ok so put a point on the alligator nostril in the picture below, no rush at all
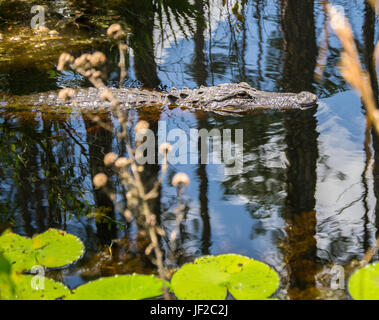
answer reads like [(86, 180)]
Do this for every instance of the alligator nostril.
[(172, 98)]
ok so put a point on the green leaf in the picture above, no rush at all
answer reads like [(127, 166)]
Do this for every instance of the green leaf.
[(7, 290), (5, 266), (51, 74), (57, 248), (256, 281), (29, 287), (53, 248), (125, 287), (18, 250), (211, 277), (199, 282), (364, 283)]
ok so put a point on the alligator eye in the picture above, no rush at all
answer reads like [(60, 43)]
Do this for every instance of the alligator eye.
[(243, 95), (172, 98)]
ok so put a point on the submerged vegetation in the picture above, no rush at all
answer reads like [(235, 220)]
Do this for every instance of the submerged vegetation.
[(17, 51)]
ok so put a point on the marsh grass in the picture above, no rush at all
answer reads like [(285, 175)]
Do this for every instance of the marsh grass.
[(352, 71), (350, 65)]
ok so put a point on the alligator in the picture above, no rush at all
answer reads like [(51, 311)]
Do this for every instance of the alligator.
[(228, 97)]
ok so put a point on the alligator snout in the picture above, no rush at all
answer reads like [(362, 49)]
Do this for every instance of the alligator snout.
[(306, 99)]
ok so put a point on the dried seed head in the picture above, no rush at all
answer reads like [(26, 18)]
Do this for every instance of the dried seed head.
[(81, 61), (180, 179), (142, 125), (100, 180), (115, 31), (122, 162), (110, 158), (133, 203), (128, 215), (97, 59), (113, 28), (66, 93), (148, 249), (115, 103), (89, 73), (131, 194), (123, 47), (107, 95), (96, 74), (160, 231), (1, 36), (151, 220), (124, 174), (132, 199), (164, 148), (64, 61)]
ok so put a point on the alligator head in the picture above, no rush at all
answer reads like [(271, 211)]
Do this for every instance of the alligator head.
[(240, 97)]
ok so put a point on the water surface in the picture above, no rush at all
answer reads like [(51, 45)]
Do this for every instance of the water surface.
[(307, 197)]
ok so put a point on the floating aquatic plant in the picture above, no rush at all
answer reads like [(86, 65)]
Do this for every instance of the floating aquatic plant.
[(364, 283), (53, 248), (16, 286), (125, 287), (7, 289), (44, 289), (211, 277)]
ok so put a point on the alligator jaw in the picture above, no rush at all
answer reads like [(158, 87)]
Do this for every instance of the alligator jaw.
[(258, 100), (307, 100)]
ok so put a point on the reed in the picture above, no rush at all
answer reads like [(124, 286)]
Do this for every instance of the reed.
[(350, 65), (352, 71)]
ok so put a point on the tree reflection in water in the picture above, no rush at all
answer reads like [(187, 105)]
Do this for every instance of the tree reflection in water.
[(48, 161)]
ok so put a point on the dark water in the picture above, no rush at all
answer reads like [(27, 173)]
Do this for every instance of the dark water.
[(307, 197)]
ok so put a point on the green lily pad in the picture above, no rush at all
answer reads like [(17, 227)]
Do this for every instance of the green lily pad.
[(5, 266), (27, 288), (199, 282), (52, 249), (364, 283), (18, 250), (7, 290), (57, 248), (125, 287), (211, 277)]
